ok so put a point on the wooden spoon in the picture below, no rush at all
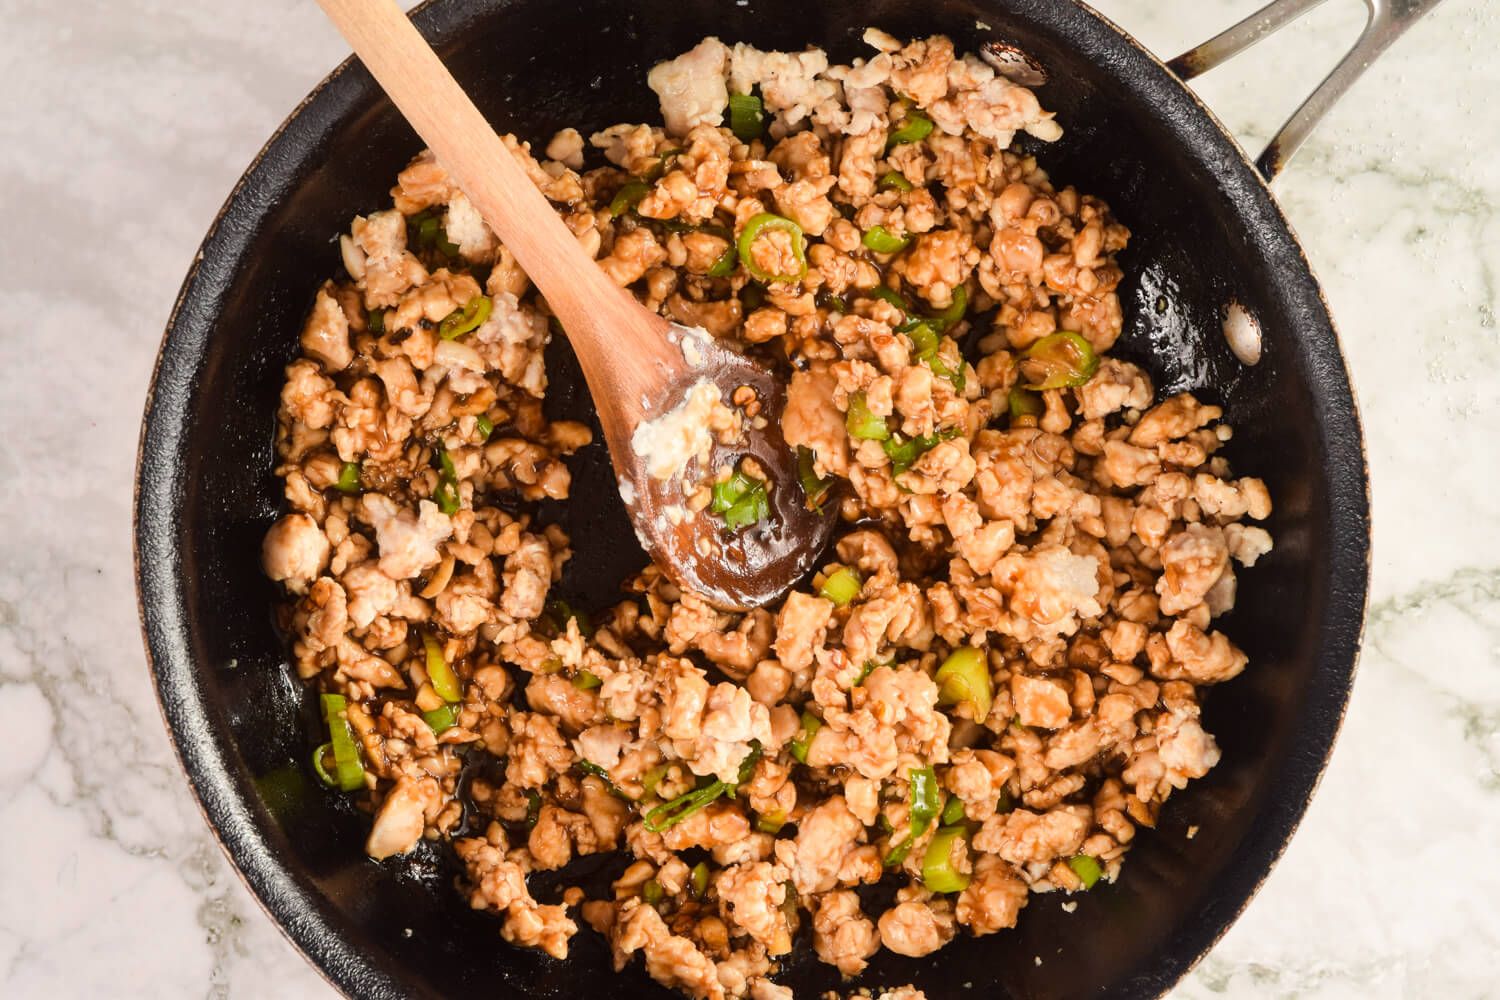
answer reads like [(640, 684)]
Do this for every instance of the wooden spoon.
[(639, 365)]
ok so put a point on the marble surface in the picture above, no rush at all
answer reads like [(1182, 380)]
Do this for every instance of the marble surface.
[(124, 128)]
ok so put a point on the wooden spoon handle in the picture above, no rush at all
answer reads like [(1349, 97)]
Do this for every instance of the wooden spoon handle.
[(591, 307)]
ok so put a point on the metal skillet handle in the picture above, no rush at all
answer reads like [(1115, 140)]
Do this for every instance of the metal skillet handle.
[(1387, 21)]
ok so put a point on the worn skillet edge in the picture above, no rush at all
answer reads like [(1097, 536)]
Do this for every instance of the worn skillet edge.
[(1350, 565), (346, 967)]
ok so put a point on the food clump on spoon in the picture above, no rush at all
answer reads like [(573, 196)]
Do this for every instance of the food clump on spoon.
[(986, 692)]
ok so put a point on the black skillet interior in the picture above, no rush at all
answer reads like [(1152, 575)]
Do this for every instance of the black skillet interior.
[(1205, 231)]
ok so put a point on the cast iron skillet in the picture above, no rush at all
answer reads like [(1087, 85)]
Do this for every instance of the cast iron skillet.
[(1206, 231)]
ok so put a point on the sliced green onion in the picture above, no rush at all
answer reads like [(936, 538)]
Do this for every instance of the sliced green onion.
[(628, 197), (1059, 360), (653, 777), (1087, 868), (445, 717), (938, 872), (349, 771), (863, 424), (444, 681), (669, 814), (765, 222), (559, 612), (803, 740), (663, 161), (894, 298), (348, 481), (586, 680), (533, 808), (926, 800), (915, 128), (466, 320), (882, 240), (485, 426), (589, 767), (446, 493), (320, 765), (953, 812), (925, 341), (868, 669), (375, 321), (954, 312), (1025, 404), (726, 262), (898, 852), (771, 822), (752, 296), (747, 119), (904, 452), (741, 500), (894, 179), (814, 487), (841, 587), (698, 879), (652, 892), (965, 676)]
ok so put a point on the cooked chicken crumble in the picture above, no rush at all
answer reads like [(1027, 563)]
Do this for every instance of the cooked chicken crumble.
[(984, 694)]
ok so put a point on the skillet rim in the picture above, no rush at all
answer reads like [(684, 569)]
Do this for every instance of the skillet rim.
[(293, 905)]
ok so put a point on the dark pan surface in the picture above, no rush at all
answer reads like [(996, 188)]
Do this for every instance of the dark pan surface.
[(1205, 231)]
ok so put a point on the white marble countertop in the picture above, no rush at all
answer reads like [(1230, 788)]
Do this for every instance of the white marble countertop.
[(125, 127)]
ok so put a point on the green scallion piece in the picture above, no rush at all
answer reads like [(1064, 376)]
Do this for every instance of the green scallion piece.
[(771, 822), (559, 612), (628, 197), (965, 677), (814, 487), (803, 740), (894, 179), (441, 718), (904, 452), (938, 871), (1059, 360), (953, 811), (1025, 404), (747, 117), (589, 767), (348, 770), (926, 800), (653, 777), (669, 814), (348, 481), (882, 240), (446, 493), (375, 321), (893, 297), (863, 424), (652, 892), (724, 266), (915, 128), (841, 587), (698, 879), (741, 500), (533, 808), (767, 222), (466, 320), (485, 426), (955, 311), (1087, 868), (444, 681), (321, 758), (586, 680)]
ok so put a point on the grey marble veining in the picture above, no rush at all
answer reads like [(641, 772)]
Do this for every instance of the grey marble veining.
[(125, 125)]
